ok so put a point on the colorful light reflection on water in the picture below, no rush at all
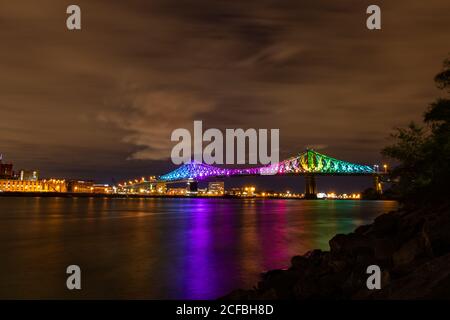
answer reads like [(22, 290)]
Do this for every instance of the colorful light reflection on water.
[(161, 248)]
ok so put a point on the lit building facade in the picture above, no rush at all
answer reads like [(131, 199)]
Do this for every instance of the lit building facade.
[(176, 191), (51, 185), (102, 189), (28, 175), (80, 186), (216, 188)]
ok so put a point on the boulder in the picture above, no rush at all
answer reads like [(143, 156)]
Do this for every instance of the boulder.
[(364, 229), (337, 243), (438, 229), (299, 262), (417, 247), (384, 248), (352, 245), (430, 280), (385, 225)]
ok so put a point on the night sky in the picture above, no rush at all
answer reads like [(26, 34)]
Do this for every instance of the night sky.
[(102, 102)]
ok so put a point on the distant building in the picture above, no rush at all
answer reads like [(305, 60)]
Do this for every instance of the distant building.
[(161, 187), (144, 185), (14, 185), (216, 188), (88, 186), (6, 169), (10, 185), (235, 191), (80, 186), (102, 189), (28, 175), (243, 192), (52, 185), (176, 191)]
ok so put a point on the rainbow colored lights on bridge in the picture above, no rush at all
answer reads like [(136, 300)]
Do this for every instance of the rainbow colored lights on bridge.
[(307, 162)]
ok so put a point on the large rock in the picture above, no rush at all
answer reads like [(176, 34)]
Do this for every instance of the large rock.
[(386, 224), (418, 247), (437, 227), (299, 263), (412, 248), (384, 248), (430, 280), (351, 245), (338, 243), (280, 282)]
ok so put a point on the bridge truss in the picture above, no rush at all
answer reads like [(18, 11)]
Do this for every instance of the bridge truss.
[(309, 162)]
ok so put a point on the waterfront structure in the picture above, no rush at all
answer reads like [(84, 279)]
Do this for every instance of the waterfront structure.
[(248, 191), (143, 185), (14, 185), (28, 175), (53, 185), (308, 164), (88, 186), (80, 186), (161, 187), (6, 169), (102, 189), (176, 191), (216, 188)]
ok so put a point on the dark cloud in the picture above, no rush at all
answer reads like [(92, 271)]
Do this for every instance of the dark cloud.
[(140, 69)]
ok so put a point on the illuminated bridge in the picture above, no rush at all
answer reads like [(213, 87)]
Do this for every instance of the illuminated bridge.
[(309, 164)]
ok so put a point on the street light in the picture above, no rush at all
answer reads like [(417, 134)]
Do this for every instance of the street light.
[(385, 168)]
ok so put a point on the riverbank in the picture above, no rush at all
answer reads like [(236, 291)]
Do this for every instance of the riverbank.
[(411, 247), (132, 196)]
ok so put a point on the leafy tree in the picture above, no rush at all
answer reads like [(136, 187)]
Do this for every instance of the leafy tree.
[(423, 152)]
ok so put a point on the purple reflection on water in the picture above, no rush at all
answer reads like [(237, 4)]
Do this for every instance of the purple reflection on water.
[(210, 249), (216, 237), (273, 235), (197, 263), (162, 248)]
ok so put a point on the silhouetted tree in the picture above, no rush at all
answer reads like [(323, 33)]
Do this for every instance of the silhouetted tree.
[(423, 152)]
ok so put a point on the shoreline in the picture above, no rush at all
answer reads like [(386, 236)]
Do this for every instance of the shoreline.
[(145, 196), (411, 247)]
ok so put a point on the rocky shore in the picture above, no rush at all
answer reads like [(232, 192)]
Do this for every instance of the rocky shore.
[(411, 247)]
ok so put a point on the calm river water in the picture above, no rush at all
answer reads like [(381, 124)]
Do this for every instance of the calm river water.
[(161, 248)]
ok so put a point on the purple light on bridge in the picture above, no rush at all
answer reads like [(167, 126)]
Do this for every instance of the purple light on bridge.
[(307, 162)]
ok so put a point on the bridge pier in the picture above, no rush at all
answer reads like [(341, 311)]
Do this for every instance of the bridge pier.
[(377, 185), (310, 187)]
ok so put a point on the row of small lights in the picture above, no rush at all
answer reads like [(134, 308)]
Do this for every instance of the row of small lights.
[(131, 182), (377, 167)]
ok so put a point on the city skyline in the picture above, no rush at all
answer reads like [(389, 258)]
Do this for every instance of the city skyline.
[(311, 165)]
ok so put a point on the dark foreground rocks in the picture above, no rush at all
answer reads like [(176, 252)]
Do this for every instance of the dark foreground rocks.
[(411, 247)]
